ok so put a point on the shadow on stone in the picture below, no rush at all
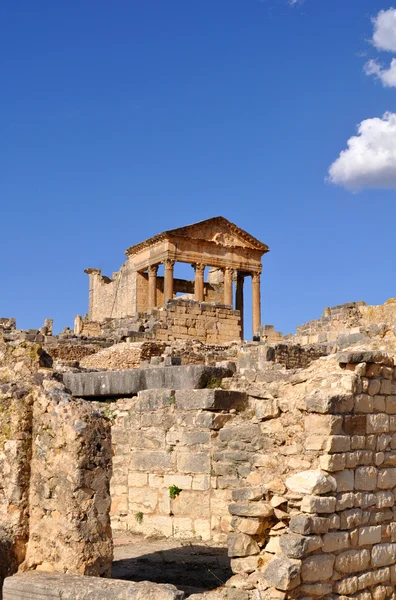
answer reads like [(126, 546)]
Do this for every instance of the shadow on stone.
[(192, 568)]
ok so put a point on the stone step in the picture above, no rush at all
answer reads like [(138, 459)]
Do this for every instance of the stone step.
[(58, 586), (128, 382)]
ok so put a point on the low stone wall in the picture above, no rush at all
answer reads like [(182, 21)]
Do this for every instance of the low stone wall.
[(330, 531), (257, 357), (178, 320)]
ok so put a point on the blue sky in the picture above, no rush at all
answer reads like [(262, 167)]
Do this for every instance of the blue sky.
[(120, 120)]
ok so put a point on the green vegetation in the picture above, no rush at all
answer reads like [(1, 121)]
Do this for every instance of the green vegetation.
[(213, 383), (174, 491), (171, 400), (139, 517)]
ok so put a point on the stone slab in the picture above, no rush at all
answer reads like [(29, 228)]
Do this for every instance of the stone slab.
[(128, 382), (58, 586), (216, 399)]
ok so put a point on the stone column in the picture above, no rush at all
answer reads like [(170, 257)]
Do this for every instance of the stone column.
[(152, 286), (168, 279), (228, 271), (199, 281), (256, 304), (239, 296)]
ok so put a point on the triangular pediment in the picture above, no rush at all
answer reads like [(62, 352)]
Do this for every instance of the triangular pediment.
[(220, 231), (217, 230)]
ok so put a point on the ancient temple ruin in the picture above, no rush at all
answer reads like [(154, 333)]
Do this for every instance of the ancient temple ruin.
[(232, 253)]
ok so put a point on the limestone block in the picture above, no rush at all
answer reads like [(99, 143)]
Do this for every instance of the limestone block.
[(386, 387), (351, 518), (190, 503), (240, 545), (184, 482), (383, 555), (337, 443), (209, 399), (310, 482), (306, 524), (152, 461), (346, 586), (317, 568), (374, 387), (283, 574), (199, 462), (252, 526), (245, 565), (294, 545), (332, 462), (248, 494), (334, 541), (202, 529), (255, 509), (345, 480), (386, 478), (352, 561), (137, 479), (385, 499), (183, 528), (366, 478), (142, 499), (318, 504), (370, 535), (391, 405), (266, 409), (355, 424), (378, 423), (364, 403), (200, 482), (345, 500), (324, 424)]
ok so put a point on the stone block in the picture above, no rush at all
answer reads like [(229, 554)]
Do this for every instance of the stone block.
[(152, 461), (210, 399), (184, 482), (378, 423), (283, 574), (317, 568), (355, 425), (386, 478), (240, 545), (40, 585), (383, 555), (324, 424), (149, 400), (318, 504), (332, 462), (128, 382), (335, 541), (294, 545), (310, 482), (366, 478), (255, 509), (337, 443), (199, 462), (245, 565), (352, 561), (266, 409), (364, 403), (390, 405), (306, 524), (369, 535), (345, 480)]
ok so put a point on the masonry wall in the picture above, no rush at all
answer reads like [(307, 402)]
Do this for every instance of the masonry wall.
[(328, 530), (179, 320), (55, 466), (112, 297)]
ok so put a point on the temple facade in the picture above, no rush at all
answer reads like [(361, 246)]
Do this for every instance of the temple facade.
[(231, 253)]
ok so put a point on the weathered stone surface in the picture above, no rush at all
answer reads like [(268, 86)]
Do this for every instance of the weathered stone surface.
[(311, 482), (131, 381), (283, 574), (240, 544), (216, 399), (365, 357), (255, 509), (317, 568), (41, 586)]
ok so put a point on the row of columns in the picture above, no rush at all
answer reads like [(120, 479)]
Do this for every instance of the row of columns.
[(199, 288)]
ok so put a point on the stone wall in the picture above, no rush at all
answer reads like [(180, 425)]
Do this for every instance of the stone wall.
[(328, 530), (187, 439), (55, 467), (254, 359), (179, 320)]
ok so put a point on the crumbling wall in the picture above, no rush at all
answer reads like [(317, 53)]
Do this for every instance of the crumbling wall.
[(329, 532), (55, 466)]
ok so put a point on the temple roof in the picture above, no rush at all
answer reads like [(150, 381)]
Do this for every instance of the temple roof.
[(227, 234)]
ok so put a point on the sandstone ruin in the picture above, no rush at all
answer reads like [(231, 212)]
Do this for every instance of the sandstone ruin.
[(154, 418)]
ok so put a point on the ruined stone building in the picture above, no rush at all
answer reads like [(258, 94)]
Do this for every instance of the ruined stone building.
[(232, 253)]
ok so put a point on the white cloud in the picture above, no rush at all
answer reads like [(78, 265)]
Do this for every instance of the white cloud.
[(370, 159), (387, 76), (384, 36)]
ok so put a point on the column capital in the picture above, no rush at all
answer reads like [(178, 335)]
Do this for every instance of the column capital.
[(169, 263), (256, 276), (228, 270), (198, 267), (152, 269)]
